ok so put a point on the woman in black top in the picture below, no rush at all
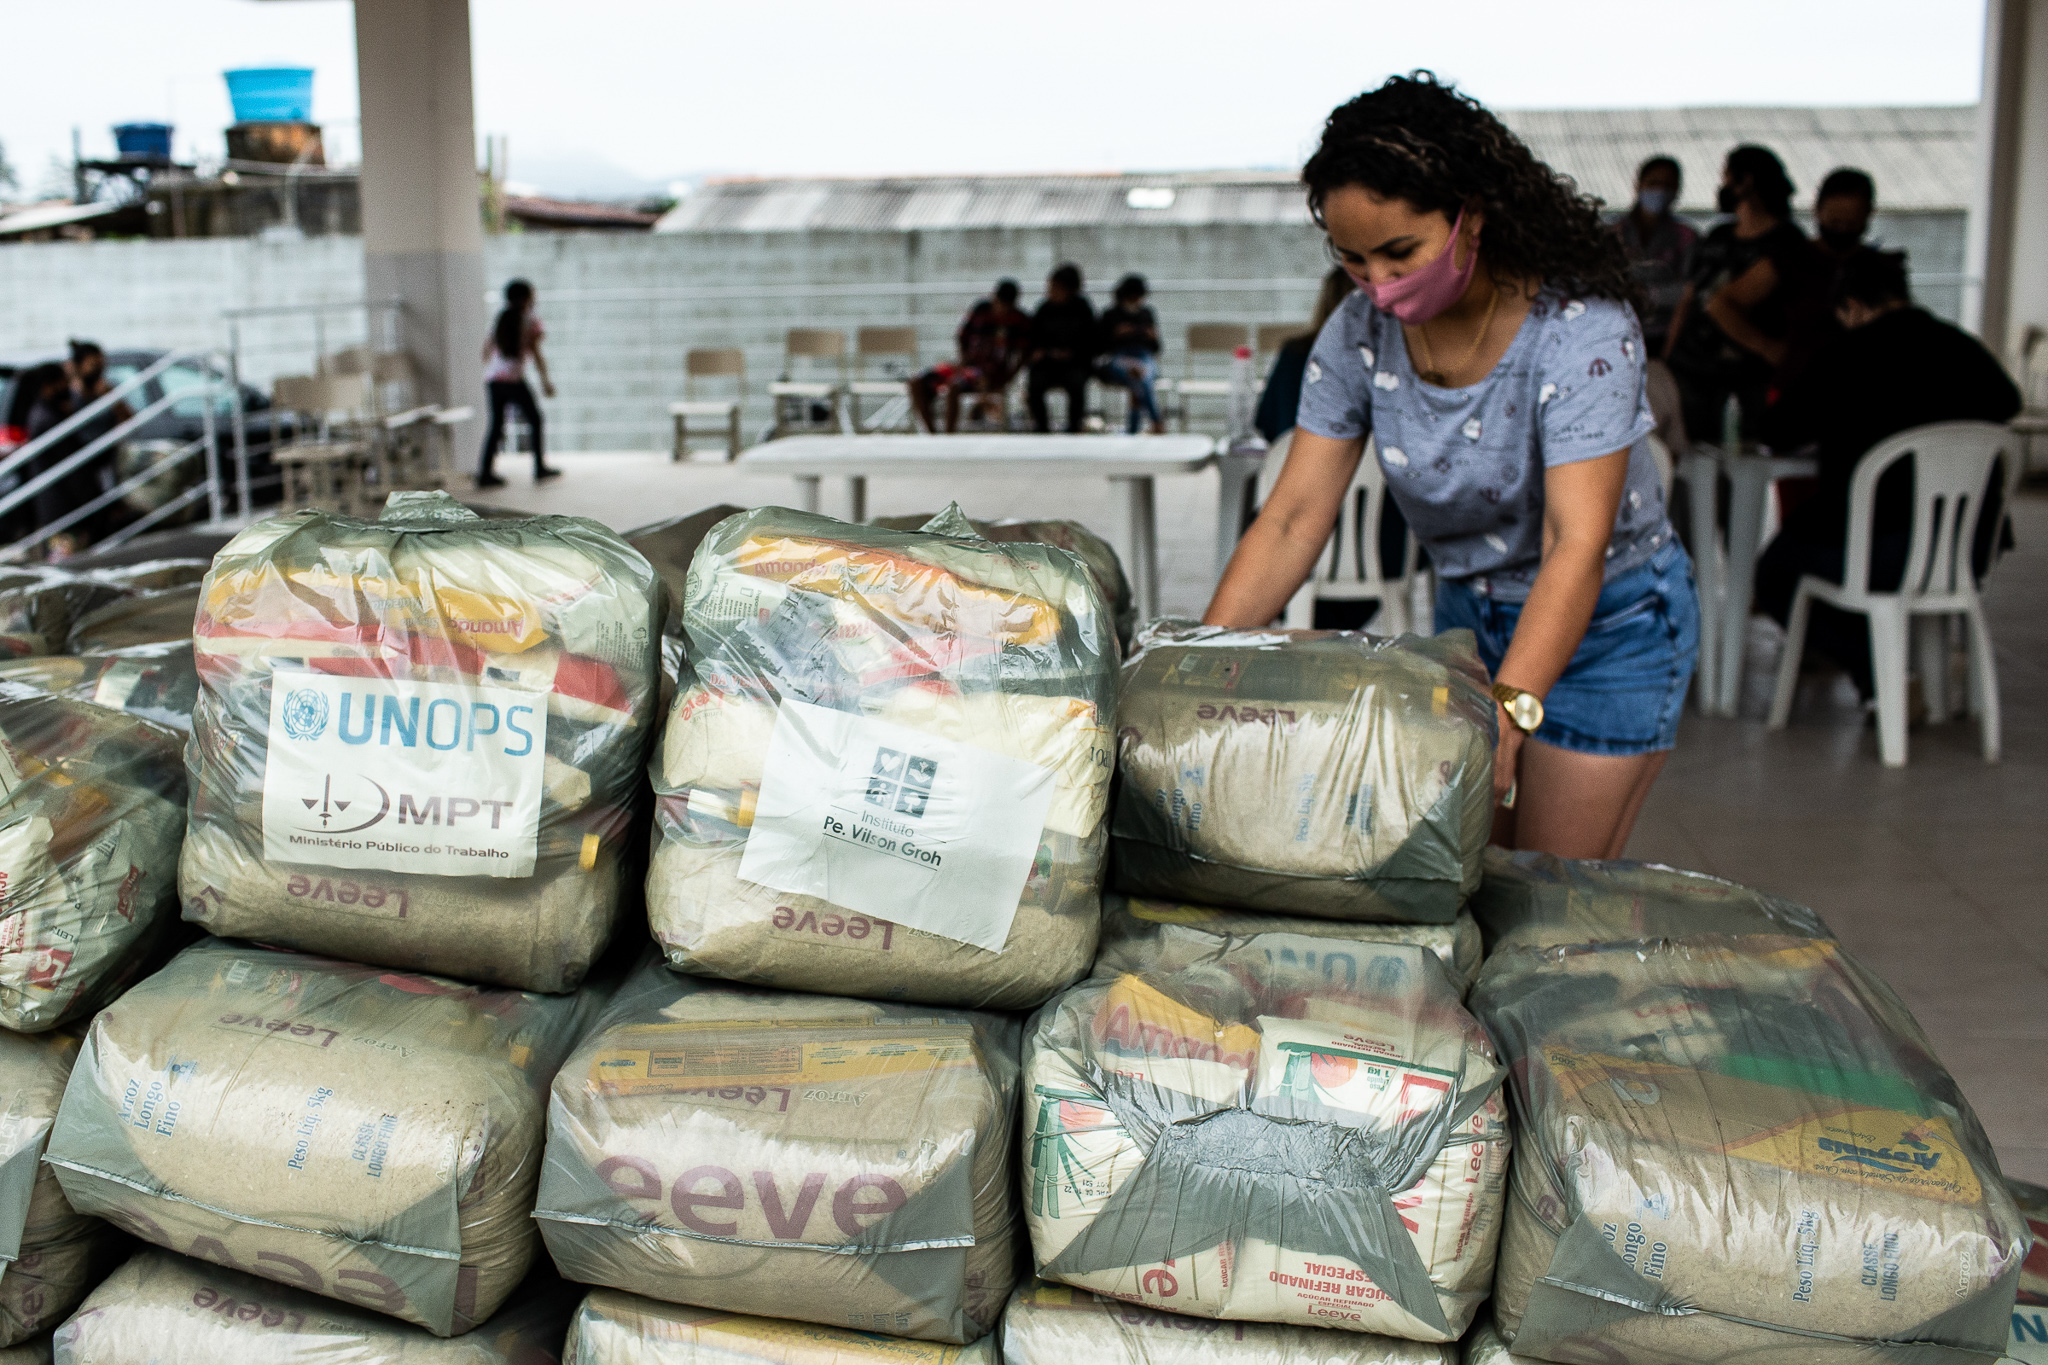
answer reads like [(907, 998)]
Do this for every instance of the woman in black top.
[(1743, 324), (1130, 344), (1063, 349)]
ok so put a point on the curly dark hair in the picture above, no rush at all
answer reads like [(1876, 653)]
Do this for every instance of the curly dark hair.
[(1419, 139)]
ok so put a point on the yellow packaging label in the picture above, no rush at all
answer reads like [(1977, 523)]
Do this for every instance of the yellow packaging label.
[(587, 857), (1163, 912), (696, 1059), (897, 586), (1757, 1121), (1139, 1019), (486, 621), (1440, 701)]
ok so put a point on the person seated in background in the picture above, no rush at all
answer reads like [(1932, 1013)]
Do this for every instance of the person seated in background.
[(1062, 349), (1281, 397), (1659, 246), (1130, 348), (1841, 213), (1734, 329), (1894, 367), (992, 341)]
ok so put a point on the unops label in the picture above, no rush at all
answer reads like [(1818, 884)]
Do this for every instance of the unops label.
[(434, 778)]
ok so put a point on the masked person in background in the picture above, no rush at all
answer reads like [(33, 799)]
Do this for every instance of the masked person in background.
[(1492, 351), (1063, 349), (1841, 213), (1740, 326), (991, 341), (1659, 246)]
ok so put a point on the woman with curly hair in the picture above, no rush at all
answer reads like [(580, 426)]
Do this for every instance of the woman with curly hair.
[(1492, 352)]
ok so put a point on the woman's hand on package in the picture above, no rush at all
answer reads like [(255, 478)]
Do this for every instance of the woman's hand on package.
[(1507, 750)]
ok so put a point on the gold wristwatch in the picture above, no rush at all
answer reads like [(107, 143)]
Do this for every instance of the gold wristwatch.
[(1525, 709)]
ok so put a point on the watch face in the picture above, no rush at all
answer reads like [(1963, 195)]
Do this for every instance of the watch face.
[(1526, 711)]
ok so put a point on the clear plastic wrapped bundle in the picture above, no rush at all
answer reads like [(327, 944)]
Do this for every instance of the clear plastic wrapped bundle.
[(1539, 900), (92, 811), (371, 1136), (1053, 1324), (887, 765), (797, 1156), (172, 1310), (50, 1254), (420, 740), (1738, 1148), (153, 575), (1245, 1139), (614, 1328), (1309, 772), (1092, 550), (157, 682), (1149, 936), (38, 605), (138, 618)]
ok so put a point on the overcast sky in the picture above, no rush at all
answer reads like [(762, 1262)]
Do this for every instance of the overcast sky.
[(647, 90)]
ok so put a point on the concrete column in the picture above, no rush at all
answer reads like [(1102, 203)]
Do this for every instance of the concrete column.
[(2008, 249), (422, 228)]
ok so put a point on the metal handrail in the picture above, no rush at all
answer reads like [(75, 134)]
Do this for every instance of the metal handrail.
[(115, 494), (22, 454), (81, 455)]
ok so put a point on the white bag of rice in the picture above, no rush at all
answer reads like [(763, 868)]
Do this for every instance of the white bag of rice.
[(1484, 1347), (367, 1135), (92, 812), (166, 1309), (798, 1156), (615, 1328), (1052, 1324), (1245, 1139), (1308, 772), (887, 766), (1539, 900), (1151, 936), (35, 1352), (50, 1254), (1738, 1148), (420, 740)]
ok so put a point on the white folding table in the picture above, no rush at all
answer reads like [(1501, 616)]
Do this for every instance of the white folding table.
[(1724, 595), (1133, 461)]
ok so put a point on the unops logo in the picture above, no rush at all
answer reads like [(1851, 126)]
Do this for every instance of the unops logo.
[(305, 714)]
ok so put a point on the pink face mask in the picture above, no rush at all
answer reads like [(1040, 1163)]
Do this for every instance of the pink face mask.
[(1420, 295)]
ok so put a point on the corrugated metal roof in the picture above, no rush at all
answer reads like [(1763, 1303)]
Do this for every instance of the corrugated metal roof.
[(1921, 157)]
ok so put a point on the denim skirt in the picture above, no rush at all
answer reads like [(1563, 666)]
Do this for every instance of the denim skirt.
[(1624, 689)]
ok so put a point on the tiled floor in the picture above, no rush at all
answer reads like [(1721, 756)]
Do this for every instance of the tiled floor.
[(1934, 875)]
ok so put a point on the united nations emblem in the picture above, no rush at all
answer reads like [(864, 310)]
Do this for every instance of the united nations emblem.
[(305, 713)]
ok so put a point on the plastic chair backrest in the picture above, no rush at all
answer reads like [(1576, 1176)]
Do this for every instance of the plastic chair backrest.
[(1352, 557), (296, 393), (1216, 336), (1951, 468), (393, 367), (349, 393), (1271, 336), (886, 341), (720, 361), (816, 342), (353, 360), (1660, 455)]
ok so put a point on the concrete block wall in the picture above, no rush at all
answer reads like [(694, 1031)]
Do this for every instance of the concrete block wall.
[(622, 309)]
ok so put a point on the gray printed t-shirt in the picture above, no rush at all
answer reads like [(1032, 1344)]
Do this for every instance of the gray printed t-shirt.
[(1466, 466)]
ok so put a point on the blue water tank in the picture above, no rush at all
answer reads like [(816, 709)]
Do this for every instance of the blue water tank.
[(271, 94), (143, 141)]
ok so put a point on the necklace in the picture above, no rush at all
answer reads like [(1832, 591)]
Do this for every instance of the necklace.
[(1429, 373)]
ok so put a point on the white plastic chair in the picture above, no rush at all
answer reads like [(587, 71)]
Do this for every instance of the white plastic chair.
[(1952, 463), (1348, 570)]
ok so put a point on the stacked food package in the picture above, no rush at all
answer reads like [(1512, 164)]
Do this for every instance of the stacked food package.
[(887, 766), (157, 682), (1733, 1145), (1053, 1324), (419, 740), (367, 1135), (1097, 554), (1245, 1138), (1322, 773), (801, 1156), (38, 605), (141, 618), (92, 813), (168, 1309), (613, 1328), (50, 1254)]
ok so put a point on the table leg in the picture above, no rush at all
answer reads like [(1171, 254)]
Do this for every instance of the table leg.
[(807, 492), (1234, 474), (1748, 486), (857, 496), (1144, 556), (1702, 479)]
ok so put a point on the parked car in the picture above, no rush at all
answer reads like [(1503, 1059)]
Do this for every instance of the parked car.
[(182, 422)]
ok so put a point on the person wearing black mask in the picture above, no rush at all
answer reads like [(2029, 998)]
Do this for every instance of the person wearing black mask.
[(1894, 367), (1063, 349), (1736, 330), (1841, 212), (1660, 246)]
